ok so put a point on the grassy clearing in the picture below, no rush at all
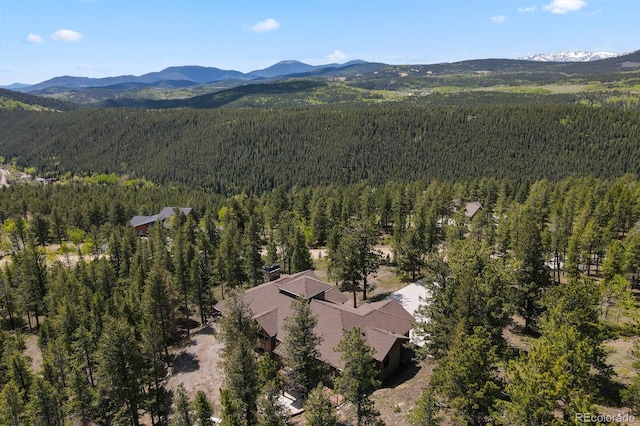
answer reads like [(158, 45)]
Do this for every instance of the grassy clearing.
[(621, 359)]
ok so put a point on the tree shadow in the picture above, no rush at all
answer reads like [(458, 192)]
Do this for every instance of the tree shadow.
[(185, 362), (609, 391), (19, 323), (402, 375), (207, 330), (184, 323), (409, 367), (378, 297)]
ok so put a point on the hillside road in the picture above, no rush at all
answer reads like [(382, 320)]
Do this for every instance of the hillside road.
[(3, 177)]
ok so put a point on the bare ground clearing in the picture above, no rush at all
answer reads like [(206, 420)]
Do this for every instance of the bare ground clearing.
[(196, 365), (33, 352)]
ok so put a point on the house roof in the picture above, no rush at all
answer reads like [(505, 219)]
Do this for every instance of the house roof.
[(142, 220), (382, 323), (268, 321), (164, 214), (334, 295), (305, 286), (411, 296), (334, 320), (470, 209), (167, 212), (383, 340)]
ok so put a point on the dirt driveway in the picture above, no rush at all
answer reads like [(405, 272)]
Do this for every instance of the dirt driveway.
[(319, 253), (196, 366)]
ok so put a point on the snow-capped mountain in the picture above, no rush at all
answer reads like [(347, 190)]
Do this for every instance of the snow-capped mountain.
[(570, 56)]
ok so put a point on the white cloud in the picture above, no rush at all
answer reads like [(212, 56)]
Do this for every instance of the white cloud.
[(498, 19), (527, 9), (564, 6), (336, 56), (266, 25), (34, 38), (66, 35)]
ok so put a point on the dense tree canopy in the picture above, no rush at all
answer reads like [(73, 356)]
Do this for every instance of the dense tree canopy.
[(230, 150), (105, 295)]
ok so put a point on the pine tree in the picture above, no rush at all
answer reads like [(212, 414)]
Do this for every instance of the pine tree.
[(271, 412), (121, 368), (182, 253), (32, 271), (467, 377), (300, 258), (82, 397), (572, 258), (358, 379), (426, 412), (182, 415), (18, 369), (229, 261), (252, 257), (553, 377), (354, 257), (631, 394), (56, 364), (203, 409), (268, 371), (12, 405), (8, 297), (471, 291), (156, 328), (409, 253), (158, 308), (318, 409), (533, 274), (44, 404), (202, 279), (83, 348), (302, 357), (320, 223), (239, 334)]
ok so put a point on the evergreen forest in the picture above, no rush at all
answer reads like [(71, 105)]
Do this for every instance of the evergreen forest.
[(258, 150), (555, 262)]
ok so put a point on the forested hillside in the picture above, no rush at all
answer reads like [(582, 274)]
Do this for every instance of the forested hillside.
[(257, 150), (15, 100), (110, 309)]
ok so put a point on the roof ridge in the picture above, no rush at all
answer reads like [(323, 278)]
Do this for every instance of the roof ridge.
[(261, 314), (388, 332)]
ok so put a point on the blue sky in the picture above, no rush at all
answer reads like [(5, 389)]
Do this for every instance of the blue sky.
[(41, 39)]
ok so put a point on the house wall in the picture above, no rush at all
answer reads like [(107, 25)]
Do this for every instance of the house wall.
[(267, 343), (142, 230), (393, 361)]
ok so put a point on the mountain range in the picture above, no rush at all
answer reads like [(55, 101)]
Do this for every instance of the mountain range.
[(191, 74), (184, 76), (576, 56), (293, 83)]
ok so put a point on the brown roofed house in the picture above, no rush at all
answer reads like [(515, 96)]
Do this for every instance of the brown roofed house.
[(142, 224), (385, 324)]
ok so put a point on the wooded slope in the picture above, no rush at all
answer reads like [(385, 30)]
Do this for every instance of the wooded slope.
[(231, 150)]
